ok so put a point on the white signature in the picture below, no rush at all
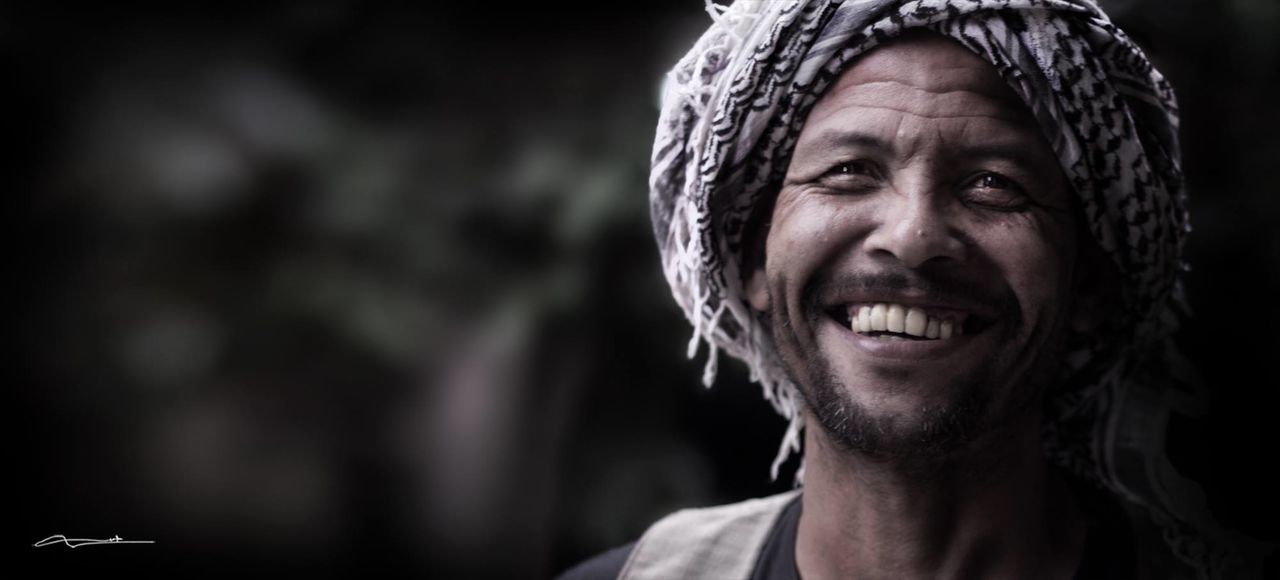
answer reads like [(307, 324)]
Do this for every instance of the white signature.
[(78, 542)]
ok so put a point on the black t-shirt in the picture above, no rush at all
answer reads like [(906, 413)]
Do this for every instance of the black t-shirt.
[(1109, 551)]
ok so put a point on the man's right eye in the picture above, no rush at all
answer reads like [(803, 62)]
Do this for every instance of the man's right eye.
[(852, 168), (851, 176)]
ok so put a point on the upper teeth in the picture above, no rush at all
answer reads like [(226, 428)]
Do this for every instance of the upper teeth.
[(902, 319)]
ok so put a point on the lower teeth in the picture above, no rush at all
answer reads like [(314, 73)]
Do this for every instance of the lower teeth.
[(890, 337)]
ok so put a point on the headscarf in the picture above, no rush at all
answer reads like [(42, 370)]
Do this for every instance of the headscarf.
[(733, 107)]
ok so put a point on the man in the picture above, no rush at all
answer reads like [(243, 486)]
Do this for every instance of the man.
[(946, 236)]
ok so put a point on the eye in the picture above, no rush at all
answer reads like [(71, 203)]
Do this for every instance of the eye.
[(995, 191), (993, 181), (850, 176), (856, 167)]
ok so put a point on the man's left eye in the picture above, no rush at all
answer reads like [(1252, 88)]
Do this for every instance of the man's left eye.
[(993, 181), (995, 191)]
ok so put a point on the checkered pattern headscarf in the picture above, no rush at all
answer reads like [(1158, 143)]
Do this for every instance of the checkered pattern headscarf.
[(734, 105)]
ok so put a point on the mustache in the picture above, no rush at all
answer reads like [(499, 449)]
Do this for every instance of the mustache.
[(941, 288)]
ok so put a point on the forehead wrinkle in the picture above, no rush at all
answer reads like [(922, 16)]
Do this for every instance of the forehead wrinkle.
[(1017, 120), (925, 102), (964, 85), (889, 134)]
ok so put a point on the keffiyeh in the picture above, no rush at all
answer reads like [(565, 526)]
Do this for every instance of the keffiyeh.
[(734, 105)]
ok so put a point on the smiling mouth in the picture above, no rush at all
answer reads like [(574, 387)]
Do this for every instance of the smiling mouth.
[(887, 322)]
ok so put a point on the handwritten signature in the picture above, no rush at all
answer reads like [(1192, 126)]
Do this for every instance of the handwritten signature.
[(78, 542)]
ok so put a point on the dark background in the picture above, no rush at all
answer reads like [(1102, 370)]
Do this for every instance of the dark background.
[(337, 288)]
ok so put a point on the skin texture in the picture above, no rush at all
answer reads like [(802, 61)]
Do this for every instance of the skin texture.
[(921, 178)]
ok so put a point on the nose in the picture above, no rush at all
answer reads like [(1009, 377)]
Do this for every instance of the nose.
[(915, 230)]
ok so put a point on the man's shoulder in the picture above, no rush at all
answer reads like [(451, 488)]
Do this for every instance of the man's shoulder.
[(715, 521), (606, 565), (722, 537)]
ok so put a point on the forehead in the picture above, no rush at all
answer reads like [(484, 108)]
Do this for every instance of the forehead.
[(924, 75)]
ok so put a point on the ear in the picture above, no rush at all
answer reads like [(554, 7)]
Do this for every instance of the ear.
[(756, 283), (754, 257), (757, 288), (1097, 288)]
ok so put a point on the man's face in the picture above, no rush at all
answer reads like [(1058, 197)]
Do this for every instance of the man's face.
[(919, 263)]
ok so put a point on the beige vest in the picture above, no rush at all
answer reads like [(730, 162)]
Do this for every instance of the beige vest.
[(720, 543)]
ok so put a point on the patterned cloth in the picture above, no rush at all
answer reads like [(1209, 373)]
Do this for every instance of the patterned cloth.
[(733, 108)]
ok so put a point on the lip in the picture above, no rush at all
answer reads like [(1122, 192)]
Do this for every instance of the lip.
[(904, 350)]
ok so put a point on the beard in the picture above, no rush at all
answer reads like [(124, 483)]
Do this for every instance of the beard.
[(980, 402), (930, 431)]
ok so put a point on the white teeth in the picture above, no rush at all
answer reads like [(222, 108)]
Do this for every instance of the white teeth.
[(895, 318), (877, 318), (884, 317), (915, 322)]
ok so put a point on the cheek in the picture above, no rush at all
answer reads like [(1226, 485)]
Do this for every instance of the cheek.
[(1034, 255), (806, 234)]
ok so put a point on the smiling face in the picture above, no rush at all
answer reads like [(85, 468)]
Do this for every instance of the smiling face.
[(918, 271)]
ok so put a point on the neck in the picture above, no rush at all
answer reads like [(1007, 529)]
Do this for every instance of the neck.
[(993, 509)]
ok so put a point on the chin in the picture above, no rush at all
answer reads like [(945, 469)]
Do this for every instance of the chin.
[(899, 423)]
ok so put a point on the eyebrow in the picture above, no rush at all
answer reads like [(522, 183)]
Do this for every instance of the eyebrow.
[(1019, 155), (832, 138)]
